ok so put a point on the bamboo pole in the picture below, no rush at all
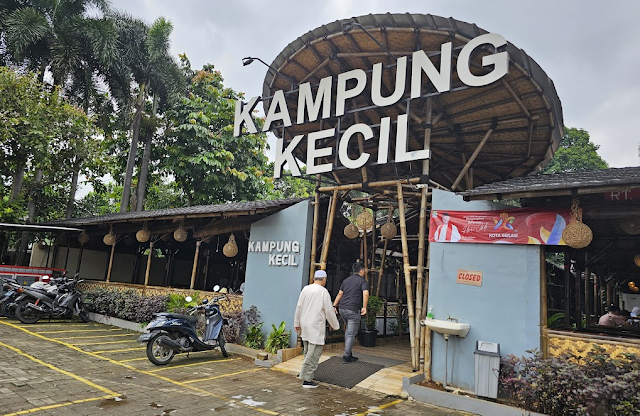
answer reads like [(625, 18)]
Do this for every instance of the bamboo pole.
[(329, 230), (544, 340), (426, 341), (146, 274), (407, 278), (113, 250), (382, 266), (472, 158), (314, 237), (194, 269), (365, 256), (355, 186)]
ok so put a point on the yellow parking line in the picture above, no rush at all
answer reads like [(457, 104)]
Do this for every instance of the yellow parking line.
[(222, 375), (60, 370), (55, 406), (129, 367), (192, 364), (133, 359), (79, 330), (101, 336), (122, 350), (384, 406), (97, 343)]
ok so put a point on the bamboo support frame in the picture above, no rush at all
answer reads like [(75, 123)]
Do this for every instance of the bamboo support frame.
[(194, 269), (146, 274), (466, 167), (354, 186), (314, 238), (329, 230), (382, 266), (407, 277), (544, 340), (365, 256), (113, 250)]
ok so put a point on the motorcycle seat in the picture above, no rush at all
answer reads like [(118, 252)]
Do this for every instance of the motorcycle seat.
[(188, 318)]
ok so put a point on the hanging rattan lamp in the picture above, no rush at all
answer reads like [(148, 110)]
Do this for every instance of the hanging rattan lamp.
[(351, 231), (636, 260), (109, 239), (577, 234), (365, 220), (180, 235), (231, 248), (42, 244), (83, 238), (388, 230), (143, 235), (631, 226)]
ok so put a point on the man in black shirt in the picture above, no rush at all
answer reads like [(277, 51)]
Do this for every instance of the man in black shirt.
[(352, 302)]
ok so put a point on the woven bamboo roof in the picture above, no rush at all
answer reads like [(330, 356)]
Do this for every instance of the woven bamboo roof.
[(524, 102)]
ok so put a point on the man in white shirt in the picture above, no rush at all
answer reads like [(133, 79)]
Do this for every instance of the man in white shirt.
[(447, 232), (313, 309)]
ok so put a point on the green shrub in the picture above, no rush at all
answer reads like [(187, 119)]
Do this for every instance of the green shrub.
[(278, 339), (373, 307), (254, 338)]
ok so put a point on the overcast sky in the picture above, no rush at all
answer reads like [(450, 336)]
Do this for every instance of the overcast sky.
[(590, 49)]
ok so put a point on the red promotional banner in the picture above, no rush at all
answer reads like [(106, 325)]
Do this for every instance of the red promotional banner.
[(513, 226)]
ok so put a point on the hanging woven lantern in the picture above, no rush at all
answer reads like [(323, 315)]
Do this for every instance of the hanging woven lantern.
[(42, 244), (389, 230), (636, 260), (631, 226), (577, 234), (365, 220), (142, 235), (180, 234), (109, 239), (351, 231), (83, 238), (61, 240), (231, 248)]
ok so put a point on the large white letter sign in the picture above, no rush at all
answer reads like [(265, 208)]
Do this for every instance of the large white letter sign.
[(440, 79), (342, 94), (323, 97), (243, 115), (499, 60), (376, 84), (277, 102), (383, 142), (343, 149), (286, 156), (402, 155), (313, 152)]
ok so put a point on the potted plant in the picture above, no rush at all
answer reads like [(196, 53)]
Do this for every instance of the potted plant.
[(370, 334)]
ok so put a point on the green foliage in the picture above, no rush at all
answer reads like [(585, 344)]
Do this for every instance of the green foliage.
[(178, 303), (374, 305), (127, 304), (568, 386), (576, 153), (556, 320), (277, 339), (253, 337)]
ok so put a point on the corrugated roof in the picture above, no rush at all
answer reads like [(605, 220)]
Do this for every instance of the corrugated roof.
[(550, 184), (198, 210)]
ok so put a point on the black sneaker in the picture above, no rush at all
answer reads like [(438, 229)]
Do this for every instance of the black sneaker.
[(349, 359), (309, 385)]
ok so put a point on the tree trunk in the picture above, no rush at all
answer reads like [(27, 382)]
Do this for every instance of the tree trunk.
[(31, 215), (144, 166), (73, 190), (131, 161), (16, 185)]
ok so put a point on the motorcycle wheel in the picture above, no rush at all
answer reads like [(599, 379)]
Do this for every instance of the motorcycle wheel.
[(83, 314), (158, 354), (25, 314), (221, 344), (7, 311)]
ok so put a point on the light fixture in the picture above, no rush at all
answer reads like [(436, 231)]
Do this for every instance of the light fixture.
[(349, 26), (249, 60)]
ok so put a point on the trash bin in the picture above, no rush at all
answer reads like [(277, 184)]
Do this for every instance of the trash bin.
[(487, 358)]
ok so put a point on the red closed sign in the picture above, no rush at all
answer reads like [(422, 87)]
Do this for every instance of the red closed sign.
[(469, 277)]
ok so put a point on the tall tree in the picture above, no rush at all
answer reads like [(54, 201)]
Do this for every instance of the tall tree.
[(576, 153)]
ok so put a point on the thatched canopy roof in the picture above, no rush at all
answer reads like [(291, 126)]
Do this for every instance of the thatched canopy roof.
[(524, 103)]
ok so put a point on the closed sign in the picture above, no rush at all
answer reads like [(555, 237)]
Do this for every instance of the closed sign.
[(469, 277)]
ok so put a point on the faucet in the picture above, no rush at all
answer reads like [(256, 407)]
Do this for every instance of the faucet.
[(449, 318)]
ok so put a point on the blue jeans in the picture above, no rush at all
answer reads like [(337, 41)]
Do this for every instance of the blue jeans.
[(351, 331)]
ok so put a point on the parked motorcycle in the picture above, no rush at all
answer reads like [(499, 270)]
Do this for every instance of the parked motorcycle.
[(11, 290), (66, 303), (171, 333), (13, 297)]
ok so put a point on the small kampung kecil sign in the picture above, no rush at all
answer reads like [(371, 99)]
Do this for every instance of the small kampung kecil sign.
[(469, 277)]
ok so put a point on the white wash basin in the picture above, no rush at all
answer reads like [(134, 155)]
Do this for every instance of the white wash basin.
[(447, 327)]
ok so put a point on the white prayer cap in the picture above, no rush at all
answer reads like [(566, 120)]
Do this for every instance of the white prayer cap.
[(319, 274)]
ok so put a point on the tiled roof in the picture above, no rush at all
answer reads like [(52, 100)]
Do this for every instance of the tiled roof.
[(194, 211), (540, 184)]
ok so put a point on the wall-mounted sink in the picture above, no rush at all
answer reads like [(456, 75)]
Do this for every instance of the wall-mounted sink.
[(447, 327)]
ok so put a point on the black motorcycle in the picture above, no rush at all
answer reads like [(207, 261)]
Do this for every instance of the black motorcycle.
[(171, 333), (11, 290), (19, 293), (66, 303)]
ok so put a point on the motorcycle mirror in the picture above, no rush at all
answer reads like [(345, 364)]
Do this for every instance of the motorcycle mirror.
[(188, 298), (216, 288), (205, 301)]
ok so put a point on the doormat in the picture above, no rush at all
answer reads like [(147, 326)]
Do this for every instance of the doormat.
[(334, 371)]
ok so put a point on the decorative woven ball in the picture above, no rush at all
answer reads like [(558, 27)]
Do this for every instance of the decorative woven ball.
[(577, 235), (631, 226), (351, 231), (61, 240), (42, 244), (365, 220), (180, 234), (142, 236), (231, 248), (389, 230), (636, 260), (83, 238), (109, 239)]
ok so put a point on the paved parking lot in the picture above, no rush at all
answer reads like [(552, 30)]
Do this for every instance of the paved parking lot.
[(72, 368)]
